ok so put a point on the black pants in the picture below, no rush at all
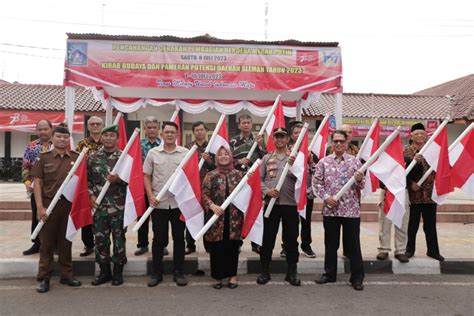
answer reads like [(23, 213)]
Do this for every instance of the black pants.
[(289, 217), (191, 243), (428, 211), (144, 229), (306, 225), (34, 219), (160, 219), (332, 232), (87, 236)]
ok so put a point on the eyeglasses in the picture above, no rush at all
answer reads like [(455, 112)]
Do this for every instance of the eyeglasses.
[(338, 141), (95, 124)]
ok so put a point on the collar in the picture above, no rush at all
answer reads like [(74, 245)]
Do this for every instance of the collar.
[(178, 149), (344, 156), (91, 140), (241, 136), (56, 153), (157, 141)]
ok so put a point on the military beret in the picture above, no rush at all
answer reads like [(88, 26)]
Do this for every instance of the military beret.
[(111, 128), (294, 124), (280, 131), (417, 126)]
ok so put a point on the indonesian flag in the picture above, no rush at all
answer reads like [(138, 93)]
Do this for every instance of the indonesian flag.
[(371, 181), (186, 188), (437, 157), (300, 171), (390, 169), (321, 143), (277, 120), (249, 201), (461, 158), (178, 140), (222, 139), (131, 171), (122, 137), (77, 192)]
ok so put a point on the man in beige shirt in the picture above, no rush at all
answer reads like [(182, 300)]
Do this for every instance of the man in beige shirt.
[(159, 165)]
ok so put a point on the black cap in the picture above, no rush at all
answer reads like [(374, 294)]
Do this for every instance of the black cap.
[(417, 126), (293, 124), (280, 131)]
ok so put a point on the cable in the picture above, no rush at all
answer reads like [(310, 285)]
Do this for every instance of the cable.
[(50, 57), (36, 47)]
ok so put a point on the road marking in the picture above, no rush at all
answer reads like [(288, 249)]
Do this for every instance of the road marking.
[(249, 283)]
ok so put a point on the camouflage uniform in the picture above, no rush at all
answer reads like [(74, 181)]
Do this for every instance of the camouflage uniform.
[(241, 147), (108, 217)]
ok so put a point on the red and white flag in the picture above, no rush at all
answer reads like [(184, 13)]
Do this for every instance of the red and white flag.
[(320, 145), (77, 192), (390, 169), (461, 158), (300, 171), (176, 120), (221, 139), (276, 120), (186, 188), (249, 201), (122, 136), (371, 181), (437, 156), (131, 171)]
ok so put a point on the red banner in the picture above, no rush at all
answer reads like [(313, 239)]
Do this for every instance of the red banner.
[(117, 63), (25, 121)]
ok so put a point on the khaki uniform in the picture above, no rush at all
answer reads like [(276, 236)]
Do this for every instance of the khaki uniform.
[(53, 169)]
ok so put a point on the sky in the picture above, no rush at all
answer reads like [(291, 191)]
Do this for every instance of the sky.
[(395, 47)]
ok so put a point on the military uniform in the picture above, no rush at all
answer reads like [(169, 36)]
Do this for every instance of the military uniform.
[(52, 169), (108, 217), (241, 147)]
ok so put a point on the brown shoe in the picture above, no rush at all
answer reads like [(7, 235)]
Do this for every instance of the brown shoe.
[(382, 256), (402, 258)]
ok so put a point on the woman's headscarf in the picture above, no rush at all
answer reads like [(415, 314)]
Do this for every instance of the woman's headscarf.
[(224, 168)]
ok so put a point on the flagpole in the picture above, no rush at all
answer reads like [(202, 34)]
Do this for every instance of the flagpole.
[(264, 126), (367, 137), (228, 200), (293, 154), (318, 132), (454, 144), (117, 118), (213, 137), (175, 114), (117, 165), (58, 194), (428, 143), (369, 162), (165, 188)]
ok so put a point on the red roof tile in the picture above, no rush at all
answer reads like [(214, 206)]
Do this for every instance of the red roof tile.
[(383, 105), (462, 92), (44, 98)]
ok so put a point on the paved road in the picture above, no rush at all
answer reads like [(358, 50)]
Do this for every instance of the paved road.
[(383, 295)]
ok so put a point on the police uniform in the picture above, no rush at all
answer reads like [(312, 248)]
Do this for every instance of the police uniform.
[(52, 169), (285, 209), (108, 216)]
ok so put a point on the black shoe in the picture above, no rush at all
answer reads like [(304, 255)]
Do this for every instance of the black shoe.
[(358, 286), (256, 249), (283, 253), (32, 250), (232, 285), (263, 278), (117, 278), (165, 251), (438, 257), (409, 254), (43, 286), (292, 275), (86, 251), (324, 279), (179, 278), (308, 252), (104, 276), (155, 279), (402, 257), (189, 250), (217, 286), (140, 251), (70, 282)]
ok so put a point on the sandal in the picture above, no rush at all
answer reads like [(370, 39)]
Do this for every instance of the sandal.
[(217, 286)]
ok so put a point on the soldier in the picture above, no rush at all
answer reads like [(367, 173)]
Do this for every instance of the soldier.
[(159, 165), (200, 135), (94, 126), (108, 216), (285, 209), (44, 130), (49, 173), (240, 145)]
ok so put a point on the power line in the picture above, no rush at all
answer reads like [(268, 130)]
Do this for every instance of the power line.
[(35, 47), (31, 55)]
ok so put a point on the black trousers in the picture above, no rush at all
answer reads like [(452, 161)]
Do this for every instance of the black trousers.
[(428, 211), (34, 219), (160, 219), (87, 236), (191, 243), (306, 225), (332, 232), (289, 217), (144, 229)]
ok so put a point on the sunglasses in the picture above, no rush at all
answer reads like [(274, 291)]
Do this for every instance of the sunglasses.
[(95, 124), (338, 141)]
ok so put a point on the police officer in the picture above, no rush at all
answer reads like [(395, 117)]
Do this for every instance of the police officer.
[(49, 173), (108, 216), (285, 209)]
